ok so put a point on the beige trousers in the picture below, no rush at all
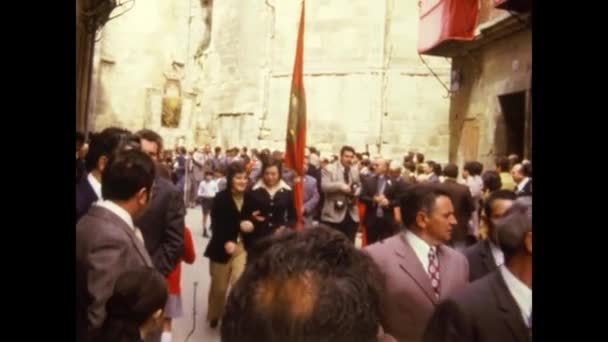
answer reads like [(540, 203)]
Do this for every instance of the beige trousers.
[(222, 277)]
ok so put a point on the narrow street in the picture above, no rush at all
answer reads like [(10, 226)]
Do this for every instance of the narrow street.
[(197, 273)]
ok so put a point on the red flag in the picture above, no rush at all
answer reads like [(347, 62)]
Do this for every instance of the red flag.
[(296, 124)]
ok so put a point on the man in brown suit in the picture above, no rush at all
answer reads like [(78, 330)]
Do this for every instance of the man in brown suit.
[(107, 241), (419, 270)]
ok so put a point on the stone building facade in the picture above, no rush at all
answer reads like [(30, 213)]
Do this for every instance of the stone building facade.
[(365, 83), (490, 111)]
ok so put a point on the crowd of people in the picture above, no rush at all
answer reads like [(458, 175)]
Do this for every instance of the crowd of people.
[(445, 252)]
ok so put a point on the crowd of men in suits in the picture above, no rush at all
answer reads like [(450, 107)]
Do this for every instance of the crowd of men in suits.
[(445, 258)]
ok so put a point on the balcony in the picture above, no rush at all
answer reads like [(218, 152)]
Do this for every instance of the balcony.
[(445, 24), (520, 6), (448, 31)]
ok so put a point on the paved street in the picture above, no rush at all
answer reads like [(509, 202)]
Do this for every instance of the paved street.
[(197, 272)]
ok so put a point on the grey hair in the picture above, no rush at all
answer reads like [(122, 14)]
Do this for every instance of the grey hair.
[(512, 227)]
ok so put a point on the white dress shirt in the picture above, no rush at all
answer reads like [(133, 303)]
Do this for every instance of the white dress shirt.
[(95, 185), (123, 214), (420, 247), (208, 189), (499, 257), (520, 292), (523, 183)]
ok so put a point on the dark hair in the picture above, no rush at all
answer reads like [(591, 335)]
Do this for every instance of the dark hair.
[(366, 162), (420, 197), (491, 180), (79, 139), (503, 163), (409, 157), (312, 286), (270, 163), (474, 168), (127, 172), (420, 157), (495, 196), (245, 159), (526, 169), (217, 149), (450, 171), (182, 150), (232, 170), (104, 144), (437, 169), (137, 295), (150, 135), (513, 159), (359, 156), (244, 149), (346, 148), (410, 166), (163, 171)]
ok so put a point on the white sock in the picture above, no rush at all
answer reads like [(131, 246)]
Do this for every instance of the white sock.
[(165, 337)]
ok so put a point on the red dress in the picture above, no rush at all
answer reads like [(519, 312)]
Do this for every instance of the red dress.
[(174, 278), (361, 207)]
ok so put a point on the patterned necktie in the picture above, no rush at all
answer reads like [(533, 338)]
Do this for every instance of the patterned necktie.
[(434, 270)]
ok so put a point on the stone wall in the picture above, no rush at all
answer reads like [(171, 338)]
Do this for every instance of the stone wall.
[(501, 67), (365, 83), (137, 53)]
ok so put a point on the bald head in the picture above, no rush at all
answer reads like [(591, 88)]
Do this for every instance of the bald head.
[(380, 166), (312, 286), (512, 229), (519, 172)]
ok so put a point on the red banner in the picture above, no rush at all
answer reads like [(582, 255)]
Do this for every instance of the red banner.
[(296, 124)]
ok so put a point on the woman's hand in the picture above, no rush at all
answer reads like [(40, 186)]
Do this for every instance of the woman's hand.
[(256, 216), (230, 247), (246, 226)]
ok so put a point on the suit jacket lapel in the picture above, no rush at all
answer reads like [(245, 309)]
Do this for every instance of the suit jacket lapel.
[(487, 256), (139, 246), (510, 312), (410, 263), (446, 273)]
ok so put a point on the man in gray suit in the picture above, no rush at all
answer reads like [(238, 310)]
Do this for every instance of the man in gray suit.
[(419, 269), (497, 307), (341, 185), (107, 242)]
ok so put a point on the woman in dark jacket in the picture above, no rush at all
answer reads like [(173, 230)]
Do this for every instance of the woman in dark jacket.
[(135, 309), (274, 206), (231, 210)]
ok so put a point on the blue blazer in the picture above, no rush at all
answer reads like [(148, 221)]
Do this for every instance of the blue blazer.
[(85, 197)]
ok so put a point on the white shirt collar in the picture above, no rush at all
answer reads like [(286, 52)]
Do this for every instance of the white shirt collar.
[(95, 185), (499, 257), (523, 183), (120, 212), (420, 247), (520, 292), (281, 185)]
